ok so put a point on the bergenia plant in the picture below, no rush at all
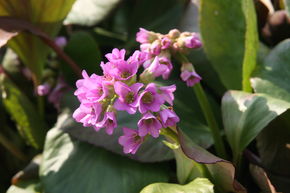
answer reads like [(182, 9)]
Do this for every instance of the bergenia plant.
[(122, 88)]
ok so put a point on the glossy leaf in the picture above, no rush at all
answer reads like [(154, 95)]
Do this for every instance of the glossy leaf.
[(274, 74), (220, 172), (96, 11), (45, 14), (94, 169), (231, 46), (198, 185), (245, 115), (29, 122)]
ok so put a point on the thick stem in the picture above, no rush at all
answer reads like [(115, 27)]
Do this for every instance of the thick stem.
[(209, 116)]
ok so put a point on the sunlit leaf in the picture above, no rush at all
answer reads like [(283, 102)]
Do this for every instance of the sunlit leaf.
[(274, 73), (201, 185), (72, 166), (245, 115), (44, 14), (96, 10), (231, 45), (29, 122)]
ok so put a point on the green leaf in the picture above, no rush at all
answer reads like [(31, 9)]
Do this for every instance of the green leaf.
[(273, 147), (245, 115), (45, 14), (274, 74), (72, 166), (251, 43), (166, 18), (28, 120), (232, 45), (198, 185), (84, 50), (95, 11), (31, 186), (204, 164), (151, 151)]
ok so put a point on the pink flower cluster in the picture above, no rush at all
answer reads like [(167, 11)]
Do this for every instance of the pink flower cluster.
[(160, 47), (119, 89)]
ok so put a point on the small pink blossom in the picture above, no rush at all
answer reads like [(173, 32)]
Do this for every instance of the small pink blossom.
[(60, 41), (149, 99), (192, 41), (130, 141), (156, 68), (168, 117), (116, 55), (191, 78), (167, 93), (88, 115), (155, 47), (43, 89), (57, 92), (91, 88), (109, 122), (149, 124), (127, 96), (165, 43)]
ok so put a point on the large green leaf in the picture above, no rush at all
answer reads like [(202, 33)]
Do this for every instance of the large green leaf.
[(30, 186), (230, 42), (45, 14), (151, 151), (84, 50), (95, 11), (29, 122), (273, 76), (246, 114), (198, 162), (199, 185), (72, 166), (273, 147)]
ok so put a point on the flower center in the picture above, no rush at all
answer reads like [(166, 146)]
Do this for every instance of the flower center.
[(147, 98), (125, 74), (129, 97), (149, 121)]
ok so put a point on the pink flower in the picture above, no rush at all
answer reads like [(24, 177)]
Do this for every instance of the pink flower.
[(92, 88), (167, 62), (109, 122), (88, 115), (167, 93), (165, 43), (116, 55), (192, 41), (142, 36), (138, 57), (191, 78), (117, 68), (130, 141), (156, 68), (60, 41), (43, 89), (168, 118), (155, 47), (127, 96), (149, 99), (149, 124)]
